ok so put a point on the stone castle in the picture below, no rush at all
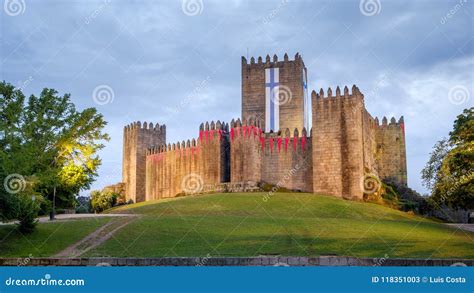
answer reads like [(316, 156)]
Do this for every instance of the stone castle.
[(286, 138)]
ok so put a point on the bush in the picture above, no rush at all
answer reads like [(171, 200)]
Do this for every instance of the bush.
[(101, 201), (27, 213), (408, 199)]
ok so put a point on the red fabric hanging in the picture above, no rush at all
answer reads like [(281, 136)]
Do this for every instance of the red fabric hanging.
[(303, 142), (262, 142), (219, 132), (279, 144), (212, 134), (207, 135), (402, 126), (287, 140), (200, 135), (232, 133), (271, 144), (192, 151)]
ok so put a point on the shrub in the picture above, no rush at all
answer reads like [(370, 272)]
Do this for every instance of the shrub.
[(101, 201), (27, 213)]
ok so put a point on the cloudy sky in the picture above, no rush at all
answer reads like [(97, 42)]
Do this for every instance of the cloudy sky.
[(178, 62)]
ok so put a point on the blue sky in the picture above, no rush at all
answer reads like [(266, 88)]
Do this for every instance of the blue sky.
[(178, 62)]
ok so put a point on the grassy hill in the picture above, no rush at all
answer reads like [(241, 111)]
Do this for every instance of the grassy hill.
[(48, 239), (285, 224)]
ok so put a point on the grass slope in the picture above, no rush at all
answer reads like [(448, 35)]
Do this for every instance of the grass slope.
[(48, 239), (285, 224)]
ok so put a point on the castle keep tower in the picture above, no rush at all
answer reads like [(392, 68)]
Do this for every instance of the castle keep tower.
[(136, 140), (275, 93)]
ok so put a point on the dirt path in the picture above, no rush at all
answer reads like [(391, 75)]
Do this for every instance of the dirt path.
[(96, 238)]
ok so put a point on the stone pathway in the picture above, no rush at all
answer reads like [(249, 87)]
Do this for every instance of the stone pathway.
[(96, 238), (72, 217), (467, 227)]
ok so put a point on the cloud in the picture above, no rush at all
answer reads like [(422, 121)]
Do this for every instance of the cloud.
[(156, 58)]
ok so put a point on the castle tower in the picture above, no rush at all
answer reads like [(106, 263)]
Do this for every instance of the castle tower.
[(338, 143), (137, 138), (391, 150), (275, 93)]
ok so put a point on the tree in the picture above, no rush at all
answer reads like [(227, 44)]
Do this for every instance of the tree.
[(49, 138), (449, 173), (430, 173)]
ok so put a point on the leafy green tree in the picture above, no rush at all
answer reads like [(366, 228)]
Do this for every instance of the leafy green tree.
[(450, 171), (49, 138)]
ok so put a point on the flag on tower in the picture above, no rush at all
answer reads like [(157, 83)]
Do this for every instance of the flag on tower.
[(272, 107), (306, 101)]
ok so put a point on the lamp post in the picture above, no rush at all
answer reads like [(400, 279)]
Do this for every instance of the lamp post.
[(53, 212)]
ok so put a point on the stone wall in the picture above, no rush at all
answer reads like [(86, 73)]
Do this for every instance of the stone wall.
[(136, 140), (284, 160), (291, 89), (238, 261), (186, 167)]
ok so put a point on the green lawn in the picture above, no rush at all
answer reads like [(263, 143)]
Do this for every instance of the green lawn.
[(286, 224), (48, 239)]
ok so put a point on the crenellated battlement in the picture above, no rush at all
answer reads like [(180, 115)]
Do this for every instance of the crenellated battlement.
[(393, 122), (321, 96), (145, 126), (183, 145), (272, 61)]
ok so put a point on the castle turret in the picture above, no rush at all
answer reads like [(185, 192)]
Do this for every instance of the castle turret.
[(391, 150), (137, 138)]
